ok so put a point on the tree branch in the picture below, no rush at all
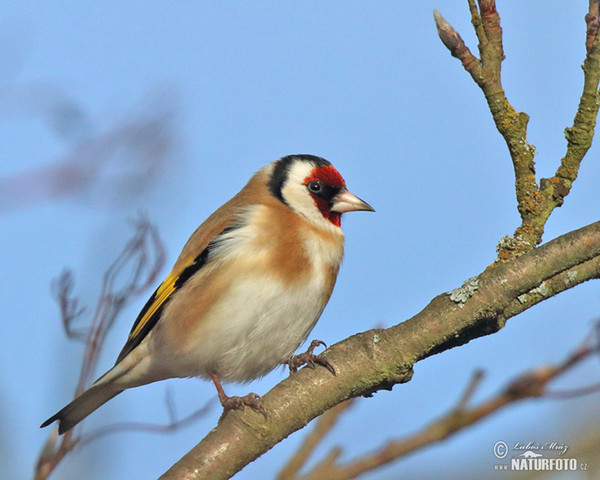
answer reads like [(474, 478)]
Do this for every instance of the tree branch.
[(530, 384), (579, 136), (534, 203), (381, 358)]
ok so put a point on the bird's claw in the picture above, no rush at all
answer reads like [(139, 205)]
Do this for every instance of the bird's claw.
[(309, 359), (251, 400)]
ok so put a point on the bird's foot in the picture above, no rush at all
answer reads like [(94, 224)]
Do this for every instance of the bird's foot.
[(251, 400), (309, 359)]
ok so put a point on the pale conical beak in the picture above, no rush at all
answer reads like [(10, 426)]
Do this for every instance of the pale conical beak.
[(348, 202)]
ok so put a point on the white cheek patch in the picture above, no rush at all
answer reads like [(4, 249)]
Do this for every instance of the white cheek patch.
[(296, 195)]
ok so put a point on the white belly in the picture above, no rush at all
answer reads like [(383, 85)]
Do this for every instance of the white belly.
[(259, 326)]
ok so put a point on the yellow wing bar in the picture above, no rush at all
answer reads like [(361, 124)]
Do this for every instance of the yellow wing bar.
[(150, 314), (164, 291)]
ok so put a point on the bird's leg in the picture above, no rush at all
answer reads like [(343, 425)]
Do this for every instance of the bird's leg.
[(251, 400), (309, 358)]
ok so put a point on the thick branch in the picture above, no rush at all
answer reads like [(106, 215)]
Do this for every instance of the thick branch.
[(530, 384), (379, 359)]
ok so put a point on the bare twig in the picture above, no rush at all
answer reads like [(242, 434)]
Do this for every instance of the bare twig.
[(173, 425), (512, 125), (62, 290), (593, 24), (535, 203), (579, 136), (141, 260), (454, 42), (470, 390)]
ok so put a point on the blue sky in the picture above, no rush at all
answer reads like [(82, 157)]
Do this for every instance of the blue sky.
[(367, 85)]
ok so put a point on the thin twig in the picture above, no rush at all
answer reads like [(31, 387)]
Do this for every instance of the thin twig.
[(174, 423), (457, 47), (593, 24), (477, 24), (143, 270), (470, 390), (512, 125), (62, 290), (534, 202), (580, 135), (141, 260)]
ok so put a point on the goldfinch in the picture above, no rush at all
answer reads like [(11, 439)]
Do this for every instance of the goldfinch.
[(245, 292)]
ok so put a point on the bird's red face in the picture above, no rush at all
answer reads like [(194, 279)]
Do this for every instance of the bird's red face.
[(313, 188), (324, 183)]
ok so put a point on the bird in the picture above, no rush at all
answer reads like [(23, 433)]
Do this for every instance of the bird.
[(245, 292)]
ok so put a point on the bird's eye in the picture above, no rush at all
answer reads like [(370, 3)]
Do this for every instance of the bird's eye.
[(315, 186)]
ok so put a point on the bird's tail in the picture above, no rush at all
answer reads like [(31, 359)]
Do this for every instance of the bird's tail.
[(82, 406)]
